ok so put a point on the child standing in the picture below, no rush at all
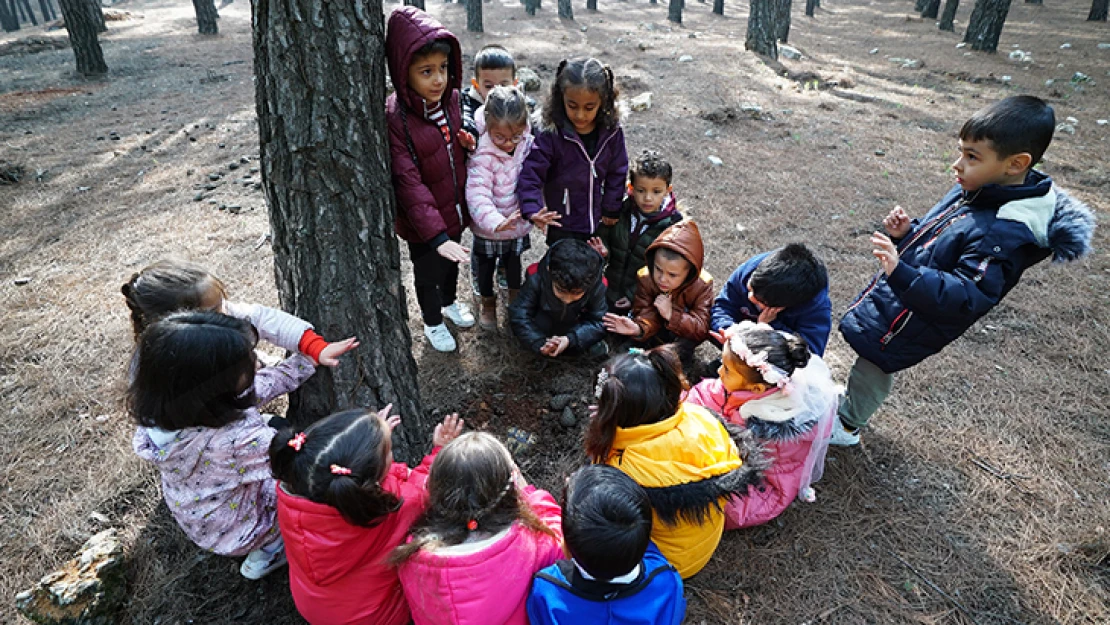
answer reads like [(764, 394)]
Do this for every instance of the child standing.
[(472, 555), (787, 288), (943, 272), (684, 457), (771, 385), (493, 67), (578, 164), (562, 305), (427, 148), (344, 505), (648, 210), (500, 234), (194, 394), (615, 574)]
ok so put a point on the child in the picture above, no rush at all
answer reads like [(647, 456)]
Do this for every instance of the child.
[(499, 231), (344, 505), (682, 454), (427, 147), (787, 288), (472, 555), (578, 164), (649, 209), (941, 273), (673, 293), (171, 285), (562, 305), (615, 574), (195, 394), (770, 384), (493, 67)]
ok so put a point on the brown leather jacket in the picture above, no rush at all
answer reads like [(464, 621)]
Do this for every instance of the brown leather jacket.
[(690, 303)]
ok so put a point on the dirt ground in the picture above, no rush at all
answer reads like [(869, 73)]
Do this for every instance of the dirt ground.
[(980, 495)]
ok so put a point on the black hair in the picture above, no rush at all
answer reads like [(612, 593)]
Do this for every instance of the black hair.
[(339, 461), (650, 164), (437, 46), (193, 369), (493, 56), (789, 276), (165, 287), (506, 105), (1021, 123), (640, 388), (786, 351), (606, 521), (573, 265), (589, 74), (471, 487)]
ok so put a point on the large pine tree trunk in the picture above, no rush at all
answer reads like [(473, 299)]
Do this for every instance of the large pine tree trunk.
[(47, 10), (320, 93), (949, 15), (96, 14), (9, 19), (782, 20), (811, 6), (530, 6), (1098, 11), (82, 31), (566, 11), (932, 7), (674, 11), (985, 25), (474, 16), (762, 31), (591, 5), (206, 17), (719, 7)]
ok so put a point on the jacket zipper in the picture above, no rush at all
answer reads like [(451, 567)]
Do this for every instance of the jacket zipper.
[(593, 173), (896, 328)]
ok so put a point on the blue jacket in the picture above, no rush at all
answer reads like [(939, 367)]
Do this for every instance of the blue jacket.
[(561, 595), (812, 320), (958, 262)]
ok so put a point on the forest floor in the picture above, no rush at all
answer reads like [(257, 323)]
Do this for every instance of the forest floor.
[(980, 495)]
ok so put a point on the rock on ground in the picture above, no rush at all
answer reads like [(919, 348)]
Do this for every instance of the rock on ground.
[(87, 590)]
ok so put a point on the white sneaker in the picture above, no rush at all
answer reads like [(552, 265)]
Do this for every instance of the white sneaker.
[(440, 337), (459, 314), (259, 564), (841, 437)]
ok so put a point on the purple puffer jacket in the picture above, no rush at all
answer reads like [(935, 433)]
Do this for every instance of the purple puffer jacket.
[(430, 188), (559, 174)]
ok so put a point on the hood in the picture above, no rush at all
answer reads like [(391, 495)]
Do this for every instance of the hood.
[(685, 239), (1071, 229), (410, 29)]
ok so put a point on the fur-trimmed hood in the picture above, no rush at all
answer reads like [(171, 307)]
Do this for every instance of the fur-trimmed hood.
[(1071, 228)]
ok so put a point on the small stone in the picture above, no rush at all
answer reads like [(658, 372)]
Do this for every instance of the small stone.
[(685, 58), (88, 589), (715, 161), (234, 209), (1068, 128), (1006, 78), (113, 137), (558, 402), (880, 152), (641, 102), (233, 166), (97, 517), (711, 133), (873, 51), (244, 159), (519, 441), (1071, 120), (1104, 46), (100, 138), (790, 52), (22, 281), (1049, 82), (962, 44), (221, 146), (567, 419), (643, 45), (254, 170), (1101, 122), (529, 79), (787, 111), (101, 418), (214, 177), (750, 108), (584, 28), (198, 197), (1080, 77), (1065, 46)]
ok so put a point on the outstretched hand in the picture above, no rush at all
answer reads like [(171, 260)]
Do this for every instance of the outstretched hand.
[(447, 431), (391, 421), (454, 252), (885, 251), (619, 324), (546, 218), (329, 356), (599, 247), (897, 223)]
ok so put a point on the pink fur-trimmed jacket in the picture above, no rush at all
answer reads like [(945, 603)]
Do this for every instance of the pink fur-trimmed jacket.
[(491, 177), (486, 585)]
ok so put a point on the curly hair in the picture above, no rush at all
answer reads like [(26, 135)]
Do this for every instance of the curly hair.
[(592, 75), (650, 164)]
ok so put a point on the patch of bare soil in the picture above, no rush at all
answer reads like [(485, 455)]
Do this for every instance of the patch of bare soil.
[(980, 495)]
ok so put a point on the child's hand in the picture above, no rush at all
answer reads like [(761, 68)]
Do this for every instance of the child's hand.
[(768, 314), (447, 431), (510, 222), (622, 303), (546, 218), (609, 221), (454, 252), (618, 324), (555, 346), (466, 140), (329, 356), (719, 336), (391, 421), (663, 305), (599, 247), (885, 251), (897, 223)]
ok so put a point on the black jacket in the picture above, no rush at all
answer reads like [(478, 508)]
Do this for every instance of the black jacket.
[(537, 314)]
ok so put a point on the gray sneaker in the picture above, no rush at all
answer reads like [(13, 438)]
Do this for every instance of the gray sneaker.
[(841, 437)]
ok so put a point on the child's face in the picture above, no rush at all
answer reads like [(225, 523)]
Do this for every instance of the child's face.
[(581, 106), (753, 298), (568, 296), (506, 136), (736, 375), (487, 79), (649, 193), (428, 76), (980, 165), (669, 273)]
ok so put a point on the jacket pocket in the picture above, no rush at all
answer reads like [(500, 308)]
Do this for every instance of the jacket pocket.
[(896, 327)]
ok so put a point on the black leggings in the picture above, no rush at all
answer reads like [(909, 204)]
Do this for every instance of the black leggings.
[(486, 265), (436, 280)]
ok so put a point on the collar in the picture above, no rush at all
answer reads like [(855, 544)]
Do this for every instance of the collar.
[(626, 579)]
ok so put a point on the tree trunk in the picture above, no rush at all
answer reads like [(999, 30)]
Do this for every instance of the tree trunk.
[(719, 7), (82, 31), (762, 29), (474, 16), (530, 6), (320, 94), (566, 11), (674, 11), (1034, 1), (96, 14), (206, 17), (949, 15), (47, 14), (782, 20), (415, 3), (919, 5), (1098, 11), (985, 25), (591, 5), (932, 7), (9, 19), (811, 6)]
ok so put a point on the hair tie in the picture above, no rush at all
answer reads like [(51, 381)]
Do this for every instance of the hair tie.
[(471, 525), (636, 351), (298, 441), (338, 470)]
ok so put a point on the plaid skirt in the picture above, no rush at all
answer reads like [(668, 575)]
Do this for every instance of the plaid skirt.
[(496, 248)]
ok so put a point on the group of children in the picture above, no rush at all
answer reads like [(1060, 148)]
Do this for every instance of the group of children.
[(463, 538)]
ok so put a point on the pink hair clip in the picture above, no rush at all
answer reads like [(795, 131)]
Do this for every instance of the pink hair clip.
[(298, 441), (338, 470)]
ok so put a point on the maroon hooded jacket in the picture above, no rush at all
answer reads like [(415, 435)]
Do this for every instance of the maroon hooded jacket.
[(429, 176)]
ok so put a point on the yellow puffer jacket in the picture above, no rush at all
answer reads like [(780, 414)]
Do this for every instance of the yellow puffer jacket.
[(689, 464)]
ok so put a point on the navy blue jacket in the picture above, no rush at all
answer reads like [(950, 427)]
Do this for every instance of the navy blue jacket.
[(560, 595), (958, 262), (812, 320), (537, 313)]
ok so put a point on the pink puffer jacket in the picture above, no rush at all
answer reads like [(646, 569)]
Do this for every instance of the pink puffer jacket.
[(491, 186)]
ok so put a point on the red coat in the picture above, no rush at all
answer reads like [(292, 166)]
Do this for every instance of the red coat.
[(430, 189), (337, 572)]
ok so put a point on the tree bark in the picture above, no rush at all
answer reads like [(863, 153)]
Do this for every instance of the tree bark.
[(674, 11), (949, 15), (566, 11), (474, 16), (811, 6), (761, 29), (591, 5), (82, 31), (415, 3), (47, 12), (530, 6), (932, 7), (320, 94), (206, 17), (1099, 9), (985, 25), (919, 5), (719, 7), (96, 14), (1034, 1), (782, 20), (9, 19)]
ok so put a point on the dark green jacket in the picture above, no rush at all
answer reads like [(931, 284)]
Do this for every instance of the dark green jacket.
[(627, 248)]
